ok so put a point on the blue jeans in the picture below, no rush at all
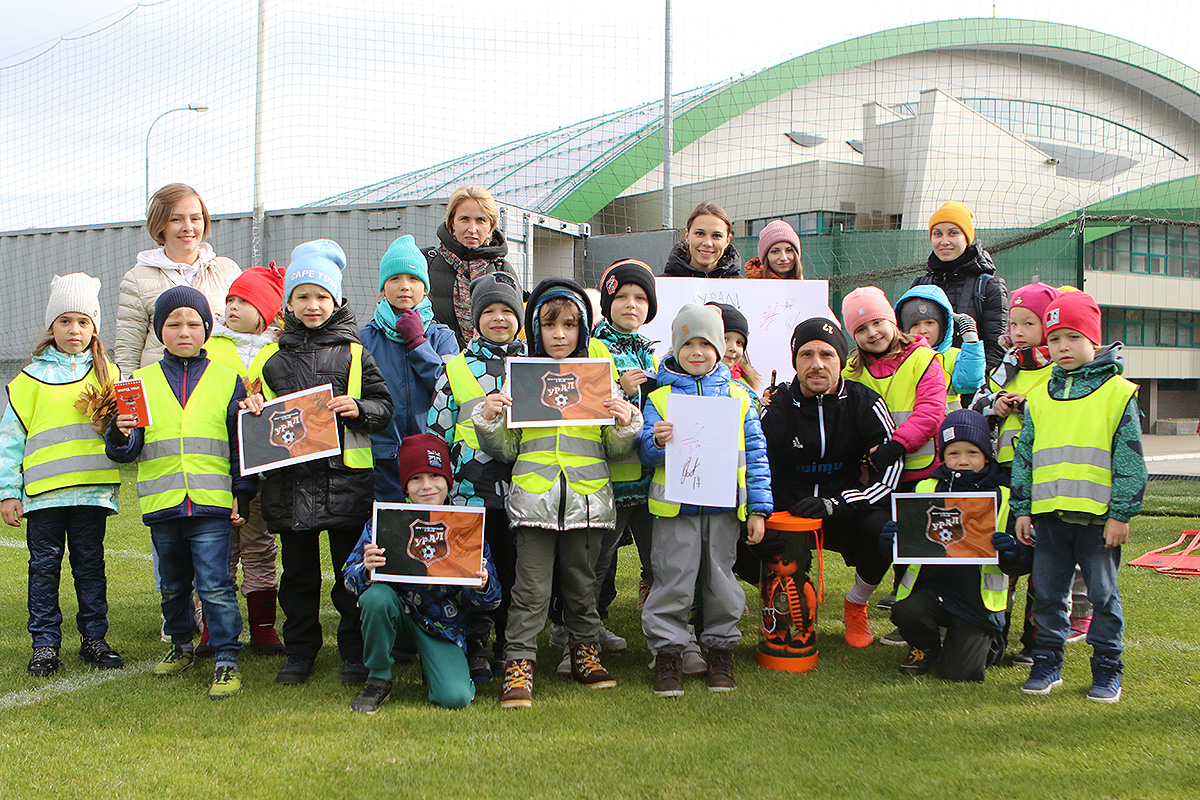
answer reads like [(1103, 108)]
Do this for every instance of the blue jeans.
[(196, 550), (1058, 548), (81, 529)]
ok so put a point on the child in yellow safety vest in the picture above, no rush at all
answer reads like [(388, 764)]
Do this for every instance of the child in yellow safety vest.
[(561, 500), (189, 483), (1078, 477), (54, 474)]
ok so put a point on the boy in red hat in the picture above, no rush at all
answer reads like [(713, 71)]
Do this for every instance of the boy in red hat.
[(1078, 477)]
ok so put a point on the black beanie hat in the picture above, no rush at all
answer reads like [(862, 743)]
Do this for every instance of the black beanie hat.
[(495, 287), (965, 425), (181, 297), (735, 321), (821, 328), (622, 272)]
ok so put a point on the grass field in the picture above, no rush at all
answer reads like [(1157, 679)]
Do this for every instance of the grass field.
[(853, 727)]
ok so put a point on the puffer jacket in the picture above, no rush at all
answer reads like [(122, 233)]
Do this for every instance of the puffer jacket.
[(714, 384), (970, 367), (154, 273), (678, 265), (442, 274), (960, 280), (322, 494)]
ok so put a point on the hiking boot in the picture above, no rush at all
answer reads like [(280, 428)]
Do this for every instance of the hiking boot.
[(858, 632), (587, 669), (479, 667), (918, 661), (1079, 629), (45, 662), (94, 650), (558, 635), (668, 672), (720, 670), (886, 603), (894, 639), (295, 670), (1025, 657), (174, 662), (227, 682), (375, 692), (1045, 674), (564, 666), (517, 691), (610, 642), (643, 593), (354, 673), (1106, 679)]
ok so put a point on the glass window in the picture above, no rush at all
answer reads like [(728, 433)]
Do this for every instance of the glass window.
[(1191, 268), (1121, 261), (1138, 263)]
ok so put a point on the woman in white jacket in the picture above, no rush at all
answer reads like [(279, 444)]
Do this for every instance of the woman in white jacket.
[(178, 220)]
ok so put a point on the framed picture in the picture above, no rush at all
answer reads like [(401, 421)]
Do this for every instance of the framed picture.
[(291, 429), (428, 544), (951, 527), (549, 393)]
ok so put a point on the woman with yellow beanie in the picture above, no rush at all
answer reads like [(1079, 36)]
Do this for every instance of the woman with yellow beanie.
[(965, 272)]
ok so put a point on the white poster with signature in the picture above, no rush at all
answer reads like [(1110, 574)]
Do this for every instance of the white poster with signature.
[(702, 462)]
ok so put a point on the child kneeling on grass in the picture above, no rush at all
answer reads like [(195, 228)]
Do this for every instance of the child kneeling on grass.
[(429, 619), (691, 545), (1078, 478), (189, 484)]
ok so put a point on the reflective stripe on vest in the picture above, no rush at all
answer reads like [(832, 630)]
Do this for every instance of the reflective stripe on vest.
[(61, 449), (659, 505), (628, 467), (1072, 448), (467, 394), (576, 452), (172, 467), (1024, 382), (899, 392), (356, 446)]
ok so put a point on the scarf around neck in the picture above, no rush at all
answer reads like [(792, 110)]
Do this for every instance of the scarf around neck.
[(385, 317)]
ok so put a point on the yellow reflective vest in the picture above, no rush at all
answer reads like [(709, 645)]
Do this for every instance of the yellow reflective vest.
[(224, 351), (1022, 383), (899, 392), (1072, 447), (61, 449), (467, 394), (186, 451)]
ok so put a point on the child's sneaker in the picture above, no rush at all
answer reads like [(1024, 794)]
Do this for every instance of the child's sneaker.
[(517, 691), (1024, 658), (858, 632), (1079, 628), (558, 635), (668, 672), (227, 682), (1046, 673), (1106, 679), (610, 642), (564, 666), (375, 693), (45, 662), (295, 670), (894, 639), (885, 603), (354, 673), (917, 662), (95, 651), (720, 670), (479, 668), (587, 669), (174, 662), (693, 659)]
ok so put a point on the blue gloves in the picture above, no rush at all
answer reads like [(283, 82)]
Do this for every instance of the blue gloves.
[(1005, 544), (887, 538)]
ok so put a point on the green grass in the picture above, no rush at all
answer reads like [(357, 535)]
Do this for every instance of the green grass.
[(1172, 499), (853, 727)]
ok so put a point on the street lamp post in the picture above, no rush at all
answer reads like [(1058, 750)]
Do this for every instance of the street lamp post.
[(189, 107)]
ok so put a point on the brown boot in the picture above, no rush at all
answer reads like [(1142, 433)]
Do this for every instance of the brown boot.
[(260, 611), (517, 691), (720, 670), (587, 669)]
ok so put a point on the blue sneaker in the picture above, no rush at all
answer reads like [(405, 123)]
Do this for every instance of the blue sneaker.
[(1046, 673), (1106, 679)]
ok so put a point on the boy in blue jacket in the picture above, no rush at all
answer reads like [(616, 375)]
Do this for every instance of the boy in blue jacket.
[(924, 310), (189, 484), (429, 619), (691, 544)]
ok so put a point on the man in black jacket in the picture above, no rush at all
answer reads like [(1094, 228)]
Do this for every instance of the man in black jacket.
[(820, 430)]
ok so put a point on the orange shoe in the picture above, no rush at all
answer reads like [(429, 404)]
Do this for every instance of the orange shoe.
[(858, 633)]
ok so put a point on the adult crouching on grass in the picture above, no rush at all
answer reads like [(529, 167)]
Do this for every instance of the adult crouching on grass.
[(469, 245)]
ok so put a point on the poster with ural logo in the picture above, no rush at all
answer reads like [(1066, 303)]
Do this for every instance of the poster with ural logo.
[(549, 392), (428, 544), (944, 528), (291, 429)]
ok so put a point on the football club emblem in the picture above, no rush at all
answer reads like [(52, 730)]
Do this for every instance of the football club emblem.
[(427, 541), (287, 428), (560, 390), (944, 526)]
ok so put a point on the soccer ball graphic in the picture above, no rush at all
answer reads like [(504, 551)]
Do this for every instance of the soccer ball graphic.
[(288, 437), (945, 536), (560, 400), (428, 552)]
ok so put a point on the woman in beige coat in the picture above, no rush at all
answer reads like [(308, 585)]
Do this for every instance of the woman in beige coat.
[(178, 220)]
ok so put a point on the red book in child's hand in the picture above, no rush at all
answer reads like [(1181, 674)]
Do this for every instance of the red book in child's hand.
[(131, 399)]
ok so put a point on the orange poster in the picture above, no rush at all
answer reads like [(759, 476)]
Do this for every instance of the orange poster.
[(548, 392), (429, 544), (950, 527), (291, 429)]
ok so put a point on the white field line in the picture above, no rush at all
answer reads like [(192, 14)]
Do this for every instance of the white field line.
[(1174, 457), (20, 543), (86, 680)]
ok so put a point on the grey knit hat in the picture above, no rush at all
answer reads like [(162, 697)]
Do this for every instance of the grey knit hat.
[(914, 309), (702, 321), (496, 287), (77, 293)]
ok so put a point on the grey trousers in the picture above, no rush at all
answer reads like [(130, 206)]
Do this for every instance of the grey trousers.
[(685, 550), (537, 552)]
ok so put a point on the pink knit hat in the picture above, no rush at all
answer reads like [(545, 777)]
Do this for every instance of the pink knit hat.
[(776, 232), (866, 304), (1034, 297), (1076, 311)]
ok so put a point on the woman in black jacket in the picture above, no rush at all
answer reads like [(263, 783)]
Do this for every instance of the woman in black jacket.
[(707, 249)]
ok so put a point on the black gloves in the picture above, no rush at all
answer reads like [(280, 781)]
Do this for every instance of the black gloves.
[(886, 454), (815, 507)]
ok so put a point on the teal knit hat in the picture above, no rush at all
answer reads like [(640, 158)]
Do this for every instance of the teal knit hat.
[(403, 257)]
